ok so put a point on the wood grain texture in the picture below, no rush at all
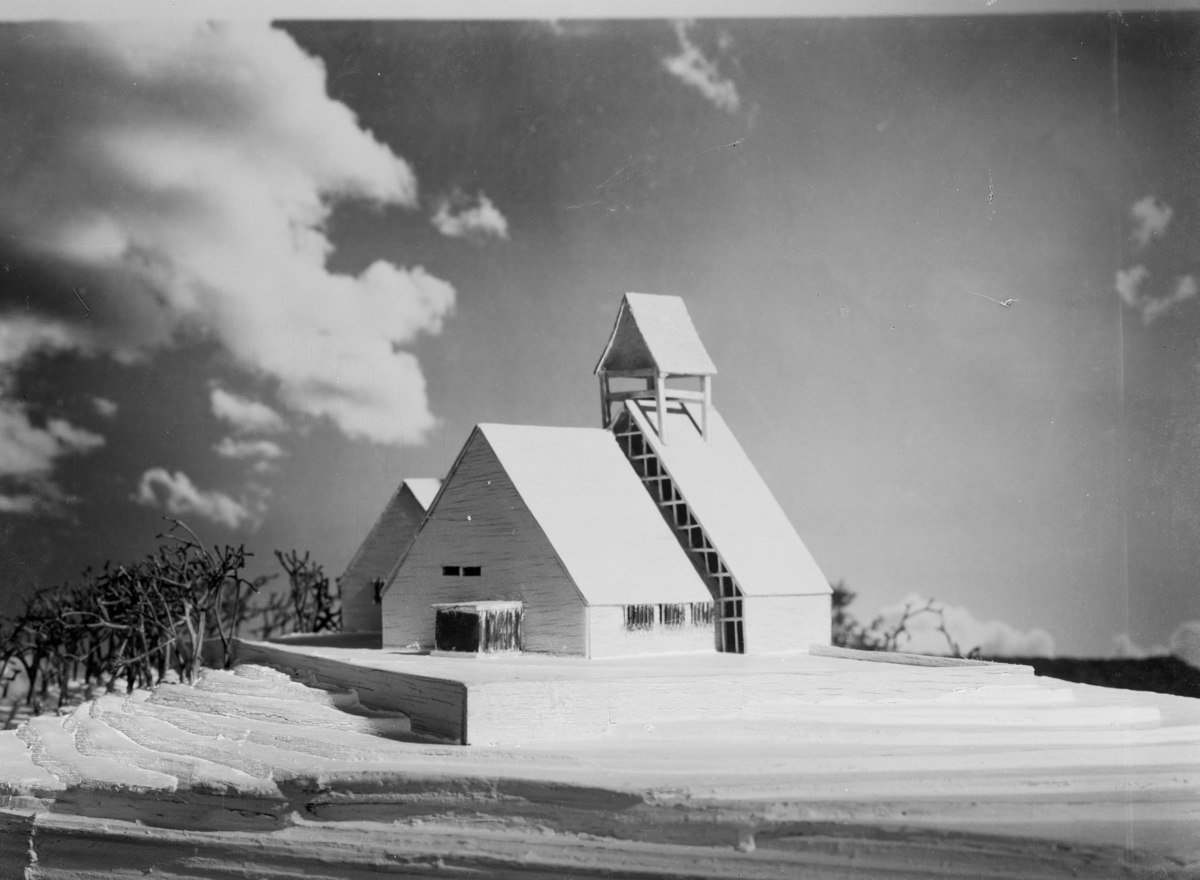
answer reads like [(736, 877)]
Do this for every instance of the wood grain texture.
[(608, 637), (481, 519), (732, 502), (380, 551), (654, 332), (897, 772), (785, 623)]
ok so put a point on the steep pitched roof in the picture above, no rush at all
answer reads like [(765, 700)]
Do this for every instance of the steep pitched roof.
[(381, 549), (389, 537), (731, 501), (599, 519), (655, 332)]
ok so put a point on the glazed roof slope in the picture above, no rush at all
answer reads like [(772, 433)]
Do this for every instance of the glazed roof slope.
[(732, 502), (598, 517), (655, 332)]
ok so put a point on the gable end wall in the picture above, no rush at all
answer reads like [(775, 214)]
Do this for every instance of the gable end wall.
[(504, 539), (375, 559)]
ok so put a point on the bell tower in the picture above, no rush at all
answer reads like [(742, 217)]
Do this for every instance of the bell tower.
[(654, 340)]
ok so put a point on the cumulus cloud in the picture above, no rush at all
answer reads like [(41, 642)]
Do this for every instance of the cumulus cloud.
[(243, 449), (246, 415), (179, 496), (29, 451), (1129, 282), (1126, 648), (105, 407), (1185, 642), (470, 221), (181, 175), (1185, 288), (28, 454), (27, 503), (693, 68), (1151, 218), (993, 638)]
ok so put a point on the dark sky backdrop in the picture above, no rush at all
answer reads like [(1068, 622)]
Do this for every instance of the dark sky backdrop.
[(843, 205)]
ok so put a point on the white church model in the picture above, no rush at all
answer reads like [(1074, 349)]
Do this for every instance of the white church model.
[(652, 534)]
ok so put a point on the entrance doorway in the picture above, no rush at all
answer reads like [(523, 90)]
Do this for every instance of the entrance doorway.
[(477, 627)]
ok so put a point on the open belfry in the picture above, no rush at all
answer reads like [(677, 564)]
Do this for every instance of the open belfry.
[(652, 534), (758, 571)]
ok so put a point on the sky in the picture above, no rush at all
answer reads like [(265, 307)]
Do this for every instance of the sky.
[(254, 274)]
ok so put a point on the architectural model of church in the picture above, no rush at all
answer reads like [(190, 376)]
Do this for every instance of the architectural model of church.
[(651, 534)]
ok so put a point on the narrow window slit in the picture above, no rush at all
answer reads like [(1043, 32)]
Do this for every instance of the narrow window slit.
[(671, 616), (639, 617), (702, 614)]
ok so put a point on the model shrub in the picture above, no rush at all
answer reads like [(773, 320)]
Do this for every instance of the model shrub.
[(879, 635), (131, 625)]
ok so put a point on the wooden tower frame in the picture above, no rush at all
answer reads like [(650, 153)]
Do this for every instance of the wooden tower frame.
[(654, 339), (693, 538)]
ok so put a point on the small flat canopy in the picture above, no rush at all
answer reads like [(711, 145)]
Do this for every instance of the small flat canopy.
[(655, 333), (484, 605)]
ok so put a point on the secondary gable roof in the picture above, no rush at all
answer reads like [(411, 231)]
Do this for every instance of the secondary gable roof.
[(422, 489), (383, 547), (655, 332), (391, 533), (732, 502)]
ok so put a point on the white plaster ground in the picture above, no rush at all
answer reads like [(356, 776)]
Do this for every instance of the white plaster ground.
[(883, 770)]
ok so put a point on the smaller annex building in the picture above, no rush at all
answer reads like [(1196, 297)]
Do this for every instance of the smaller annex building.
[(362, 583), (544, 540)]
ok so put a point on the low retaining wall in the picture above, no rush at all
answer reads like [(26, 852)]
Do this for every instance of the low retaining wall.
[(435, 706), (498, 701)]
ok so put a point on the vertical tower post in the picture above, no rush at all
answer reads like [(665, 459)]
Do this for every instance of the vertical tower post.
[(654, 338), (605, 406), (660, 398)]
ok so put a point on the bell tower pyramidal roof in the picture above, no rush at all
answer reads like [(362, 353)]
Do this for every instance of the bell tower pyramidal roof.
[(654, 339), (655, 333)]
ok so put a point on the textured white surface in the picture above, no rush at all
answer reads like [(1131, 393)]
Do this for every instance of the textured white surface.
[(880, 770)]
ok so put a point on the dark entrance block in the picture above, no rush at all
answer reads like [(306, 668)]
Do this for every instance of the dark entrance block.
[(456, 630), (477, 627)]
